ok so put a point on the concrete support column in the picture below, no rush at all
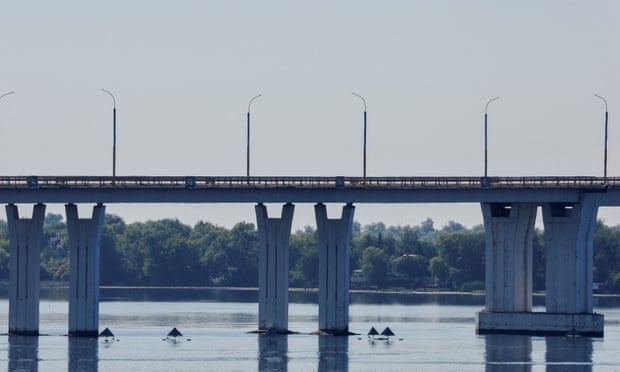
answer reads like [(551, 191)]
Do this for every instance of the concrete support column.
[(569, 233), (334, 269), (569, 240), (84, 251), (274, 234), (509, 230), (25, 240)]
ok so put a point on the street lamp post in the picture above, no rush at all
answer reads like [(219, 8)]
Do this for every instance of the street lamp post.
[(248, 139), (485, 136), (605, 151), (6, 94), (113, 136), (364, 161)]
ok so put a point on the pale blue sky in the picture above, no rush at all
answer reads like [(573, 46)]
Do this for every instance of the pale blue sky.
[(183, 72)]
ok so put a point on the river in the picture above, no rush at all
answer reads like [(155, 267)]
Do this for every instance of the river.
[(433, 333)]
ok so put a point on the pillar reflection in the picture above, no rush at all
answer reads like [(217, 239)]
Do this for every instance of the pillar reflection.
[(23, 353), (273, 352), (83, 354), (569, 354), (512, 353), (333, 353)]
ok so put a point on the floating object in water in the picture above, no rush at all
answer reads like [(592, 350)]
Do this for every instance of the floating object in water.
[(174, 333), (107, 335), (385, 335), (387, 332), (372, 332)]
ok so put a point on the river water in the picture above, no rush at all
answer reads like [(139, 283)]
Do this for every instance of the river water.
[(433, 333)]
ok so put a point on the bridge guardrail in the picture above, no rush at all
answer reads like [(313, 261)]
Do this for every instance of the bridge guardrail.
[(198, 182)]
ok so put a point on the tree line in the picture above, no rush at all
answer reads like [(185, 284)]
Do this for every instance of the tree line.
[(169, 253)]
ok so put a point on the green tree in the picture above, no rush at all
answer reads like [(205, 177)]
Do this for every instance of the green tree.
[(4, 251), (538, 261), (230, 257), (158, 253), (463, 254), (55, 249), (413, 268), (607, 255), (215, 262), (440, 271), (112, 271), (304, 256), (203, 237), (410, 243), (375, 265), (242, 255)]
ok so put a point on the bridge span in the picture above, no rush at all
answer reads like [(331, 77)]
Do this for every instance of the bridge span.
[(207, 189), (509, 206)]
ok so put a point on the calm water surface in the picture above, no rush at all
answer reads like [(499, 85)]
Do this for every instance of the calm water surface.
[(433, 333)]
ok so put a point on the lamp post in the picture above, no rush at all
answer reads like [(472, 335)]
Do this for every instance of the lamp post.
[(6, 94), (364, 161), (248, 141), (485, 136), (113, 136), (605, 151)]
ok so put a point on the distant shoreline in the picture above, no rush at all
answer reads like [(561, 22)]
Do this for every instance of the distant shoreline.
[(65, 285), (378, 291)]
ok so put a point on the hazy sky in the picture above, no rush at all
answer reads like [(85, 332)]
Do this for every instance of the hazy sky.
[(184, 71)]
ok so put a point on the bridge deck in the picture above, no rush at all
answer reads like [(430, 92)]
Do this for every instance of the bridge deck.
[(306, 182), (208, 189)]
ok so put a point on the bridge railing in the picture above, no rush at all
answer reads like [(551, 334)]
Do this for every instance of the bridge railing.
[(305, 182)]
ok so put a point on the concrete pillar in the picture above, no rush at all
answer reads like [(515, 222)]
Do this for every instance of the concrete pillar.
[(509, 230), (274, 234), (84, 248), (569, 240), (25, 240), (569, 233), (334, 269)]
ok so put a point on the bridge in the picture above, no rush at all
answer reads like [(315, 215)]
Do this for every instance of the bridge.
[(509, 205)]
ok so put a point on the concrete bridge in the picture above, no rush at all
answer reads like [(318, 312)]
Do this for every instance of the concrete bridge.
[(509, 205)]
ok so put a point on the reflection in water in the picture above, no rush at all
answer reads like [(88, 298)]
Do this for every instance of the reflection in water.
[(273, 351), (83, 353), (333, 353), (569, 354), (508, 353), (23, 353)]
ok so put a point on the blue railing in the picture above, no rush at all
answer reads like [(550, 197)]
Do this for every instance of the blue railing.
[(198, 182)]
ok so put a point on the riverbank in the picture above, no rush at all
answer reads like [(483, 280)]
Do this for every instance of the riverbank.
[(399, 291)]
